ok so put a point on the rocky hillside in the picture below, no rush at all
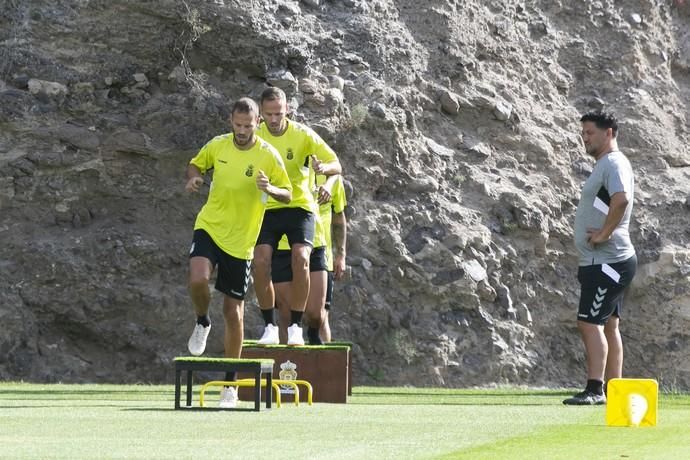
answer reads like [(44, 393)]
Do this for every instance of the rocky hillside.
[(457, 125)]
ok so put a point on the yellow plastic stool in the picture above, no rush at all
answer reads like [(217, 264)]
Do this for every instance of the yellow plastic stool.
[(632, 402)]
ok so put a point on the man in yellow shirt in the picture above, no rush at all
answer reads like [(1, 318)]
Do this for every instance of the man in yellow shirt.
[(334, 222), (296, 143), (331, 200), (246, 171)]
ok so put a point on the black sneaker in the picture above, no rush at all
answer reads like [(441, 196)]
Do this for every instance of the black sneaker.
[(586, 398)]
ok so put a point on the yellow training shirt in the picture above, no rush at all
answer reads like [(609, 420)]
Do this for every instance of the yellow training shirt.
[(295, 146), (234, 211)]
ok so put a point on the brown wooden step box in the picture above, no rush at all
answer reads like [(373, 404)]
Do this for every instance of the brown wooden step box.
[(326, 367)]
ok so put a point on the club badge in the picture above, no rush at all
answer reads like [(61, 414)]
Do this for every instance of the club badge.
[(288, 371)]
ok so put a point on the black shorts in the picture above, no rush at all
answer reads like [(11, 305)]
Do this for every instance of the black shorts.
[(329, 291), (281, 264), (233, 273), (602, 290), (296, 223)]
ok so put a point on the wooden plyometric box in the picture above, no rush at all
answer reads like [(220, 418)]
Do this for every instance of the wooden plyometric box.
[(325, 367)]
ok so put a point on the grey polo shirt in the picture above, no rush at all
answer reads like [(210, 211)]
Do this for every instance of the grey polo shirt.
[(612, 173)]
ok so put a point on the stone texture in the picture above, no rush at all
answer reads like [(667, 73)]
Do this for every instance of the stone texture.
[(450, 103)]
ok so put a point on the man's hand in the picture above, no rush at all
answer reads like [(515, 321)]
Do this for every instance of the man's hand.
[(596, 236), (194, 184), (283, 195), (262, 182), (324, 195), (339, 267), (317, 165), (617, 206)]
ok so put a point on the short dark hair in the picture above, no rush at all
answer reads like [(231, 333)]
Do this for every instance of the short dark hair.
[(273, 93), (602, 120), (245, 105)]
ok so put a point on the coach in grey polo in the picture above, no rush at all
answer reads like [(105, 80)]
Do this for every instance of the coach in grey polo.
[(607, 260)]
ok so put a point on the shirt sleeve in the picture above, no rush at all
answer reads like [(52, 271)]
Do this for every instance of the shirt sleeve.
[(319, 148), (339, 200), (618, 178), (205, 159), (279, 176)]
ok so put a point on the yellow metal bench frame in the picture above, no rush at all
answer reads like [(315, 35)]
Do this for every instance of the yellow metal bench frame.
[(237, 384), (294, 384)]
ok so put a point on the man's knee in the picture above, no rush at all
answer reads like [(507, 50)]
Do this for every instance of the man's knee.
[(198, 280), (199, 273), (611, 326), (262, 260), (586, 327), (233, 310), (300, 258), (282, 293), (313, 317)]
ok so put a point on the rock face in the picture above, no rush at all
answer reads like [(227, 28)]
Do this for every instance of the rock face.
[(457, 124)]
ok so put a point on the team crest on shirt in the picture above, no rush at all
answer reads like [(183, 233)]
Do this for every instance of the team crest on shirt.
[(290, 155), (250, 171)]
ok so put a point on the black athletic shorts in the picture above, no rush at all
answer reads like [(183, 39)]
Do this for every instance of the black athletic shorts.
[(281, 264), (296, 223), (329, 291), (233, 273), (602, 289)]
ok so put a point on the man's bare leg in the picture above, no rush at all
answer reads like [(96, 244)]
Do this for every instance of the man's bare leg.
[(316, 311), (299, 291), (300, 277), (200, 270), (263, 286), (265, 294), (596, 349), (233, 314), (614, 359), (325, 331), (282, 291)]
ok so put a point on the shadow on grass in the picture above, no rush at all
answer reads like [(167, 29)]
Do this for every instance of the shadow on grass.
[(455, 403), (56, 395), (193, 409), (430, 398), (488, 394), (81, 392), (66, 406), (148, 409)]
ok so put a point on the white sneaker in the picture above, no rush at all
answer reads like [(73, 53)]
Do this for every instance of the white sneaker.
[(228, 398), (295, 335), (197, 342), (270, 336)]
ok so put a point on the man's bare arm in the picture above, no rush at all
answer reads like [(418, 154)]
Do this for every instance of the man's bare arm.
[(339, 235), (194, 179), (617, 206)]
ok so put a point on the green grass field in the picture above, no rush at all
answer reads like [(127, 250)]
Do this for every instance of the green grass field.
[(118, 421)]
